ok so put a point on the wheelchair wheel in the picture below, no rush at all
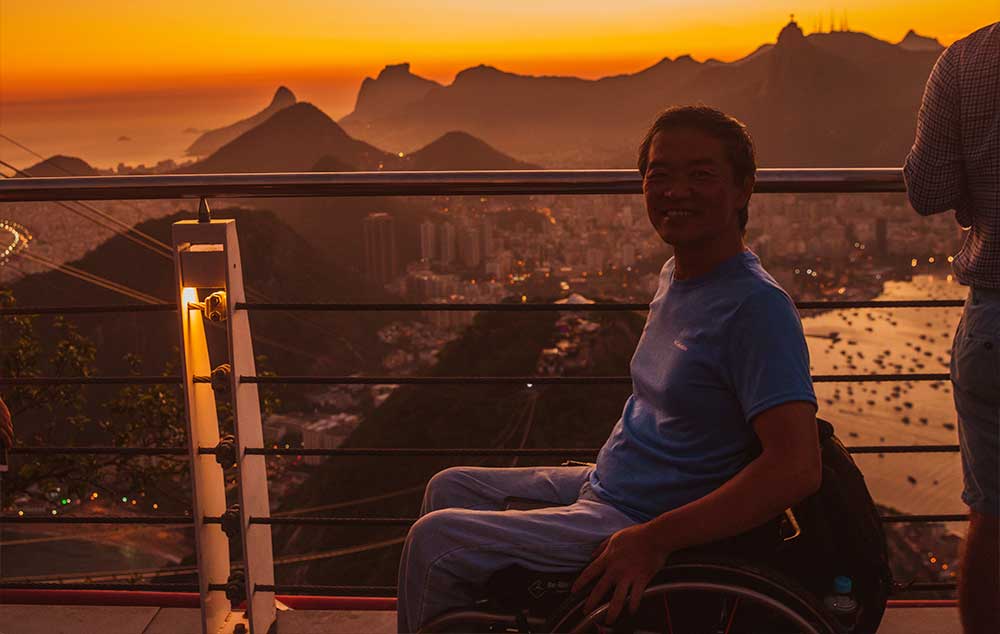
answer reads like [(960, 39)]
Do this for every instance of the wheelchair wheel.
[(705, 597)]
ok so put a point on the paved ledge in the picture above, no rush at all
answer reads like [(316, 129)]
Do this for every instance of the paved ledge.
[(86, 619)]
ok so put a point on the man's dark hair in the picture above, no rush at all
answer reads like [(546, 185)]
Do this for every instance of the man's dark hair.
[(732, 133)]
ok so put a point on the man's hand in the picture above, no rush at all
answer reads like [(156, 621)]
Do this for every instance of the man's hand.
[(6, 426), (626, 562)]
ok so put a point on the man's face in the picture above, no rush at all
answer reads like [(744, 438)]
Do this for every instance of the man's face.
[(691, 197)]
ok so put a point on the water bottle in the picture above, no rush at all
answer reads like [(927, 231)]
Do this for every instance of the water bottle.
[(841, 603)]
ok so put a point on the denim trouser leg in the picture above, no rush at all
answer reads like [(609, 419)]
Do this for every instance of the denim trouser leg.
[(463, 535), (975, 374)]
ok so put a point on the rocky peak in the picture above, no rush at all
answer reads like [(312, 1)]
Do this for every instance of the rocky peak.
[(912, 41)]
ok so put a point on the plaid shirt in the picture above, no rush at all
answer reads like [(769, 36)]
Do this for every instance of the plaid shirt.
[(955, 160)]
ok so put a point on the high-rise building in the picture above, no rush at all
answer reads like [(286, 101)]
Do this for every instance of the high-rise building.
[(488, 246), (628, 254), (881, 237), (447, 246), (468, 247), (380, 248), (428, 240)]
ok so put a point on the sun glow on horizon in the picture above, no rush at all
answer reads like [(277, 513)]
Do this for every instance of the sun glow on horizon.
[(58, 49)]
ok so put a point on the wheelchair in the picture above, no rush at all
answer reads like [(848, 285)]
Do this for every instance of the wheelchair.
[(710, 589)]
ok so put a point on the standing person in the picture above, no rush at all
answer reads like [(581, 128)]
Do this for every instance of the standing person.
[(955, 164), (721, 365)]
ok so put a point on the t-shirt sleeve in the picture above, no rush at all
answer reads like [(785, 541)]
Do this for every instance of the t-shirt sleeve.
[(768, 356)]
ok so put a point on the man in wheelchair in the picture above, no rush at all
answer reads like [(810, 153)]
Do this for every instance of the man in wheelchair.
[(721, 366)]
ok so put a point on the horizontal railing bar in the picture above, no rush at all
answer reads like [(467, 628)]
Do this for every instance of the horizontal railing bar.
[(87, 310), (327, 521), (111, 451), (137, 587), (565, 451), (406, 521), (9, 519), (452, 183), (543, 380), (90, 380), (422, 380), (492, 307), (404, 451), (924, 586), (596, 307), (949, 517), (314, 590), (318, 590)]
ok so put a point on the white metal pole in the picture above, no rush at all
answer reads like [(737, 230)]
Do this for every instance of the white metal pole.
[(252, 471), (208, 492)]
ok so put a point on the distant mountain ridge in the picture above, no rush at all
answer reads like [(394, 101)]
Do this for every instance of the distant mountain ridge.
[(824, 99), (60, 165), (303, 138), (212, 140)]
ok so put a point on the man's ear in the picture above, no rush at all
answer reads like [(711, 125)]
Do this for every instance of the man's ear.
[(747, 190)]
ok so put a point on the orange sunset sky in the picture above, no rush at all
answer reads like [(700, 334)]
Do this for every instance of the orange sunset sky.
[(66, 49)]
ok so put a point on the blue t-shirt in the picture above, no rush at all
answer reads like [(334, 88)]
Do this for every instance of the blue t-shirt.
[(716, 351)]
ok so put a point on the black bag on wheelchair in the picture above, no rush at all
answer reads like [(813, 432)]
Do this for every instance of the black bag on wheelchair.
[(839, 533)]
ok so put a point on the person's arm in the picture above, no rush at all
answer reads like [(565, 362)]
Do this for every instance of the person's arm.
[(934, 170), (788, 470)]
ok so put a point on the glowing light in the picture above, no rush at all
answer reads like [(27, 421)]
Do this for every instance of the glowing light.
[(55, 512), (913, 262), (930, 260), (933, 560), (949, 278), (951, 258), (841, 290), (944, 566), (124, 499), (401, 154), (20, 513), (133, 502), (524, 299), (529, 384), (155, 506)]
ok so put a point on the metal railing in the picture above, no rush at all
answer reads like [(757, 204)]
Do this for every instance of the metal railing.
[(214, 268)]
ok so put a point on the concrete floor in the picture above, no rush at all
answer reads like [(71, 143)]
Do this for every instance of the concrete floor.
[(43, 619)]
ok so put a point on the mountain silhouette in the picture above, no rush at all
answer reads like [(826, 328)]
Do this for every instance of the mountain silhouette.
[(825, 99), (60, 165), (292, 140), (915, 42), (394, 88), (461, 151), (212, 140)]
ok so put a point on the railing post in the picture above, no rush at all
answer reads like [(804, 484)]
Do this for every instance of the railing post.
[(208, 490), (252, 470), (208, 256)]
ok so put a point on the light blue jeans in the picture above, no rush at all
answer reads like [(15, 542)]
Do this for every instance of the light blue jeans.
[(464, 535), (975, 375)]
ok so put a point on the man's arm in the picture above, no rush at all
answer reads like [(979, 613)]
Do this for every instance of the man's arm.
[(788, 470), (934, 170)]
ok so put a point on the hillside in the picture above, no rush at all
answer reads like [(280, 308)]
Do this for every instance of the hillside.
[(461, 151), (293, 140), (59, 165), (212, 140)]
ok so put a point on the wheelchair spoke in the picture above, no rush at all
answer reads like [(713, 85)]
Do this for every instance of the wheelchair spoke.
[(732, 615), (666, 613)]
